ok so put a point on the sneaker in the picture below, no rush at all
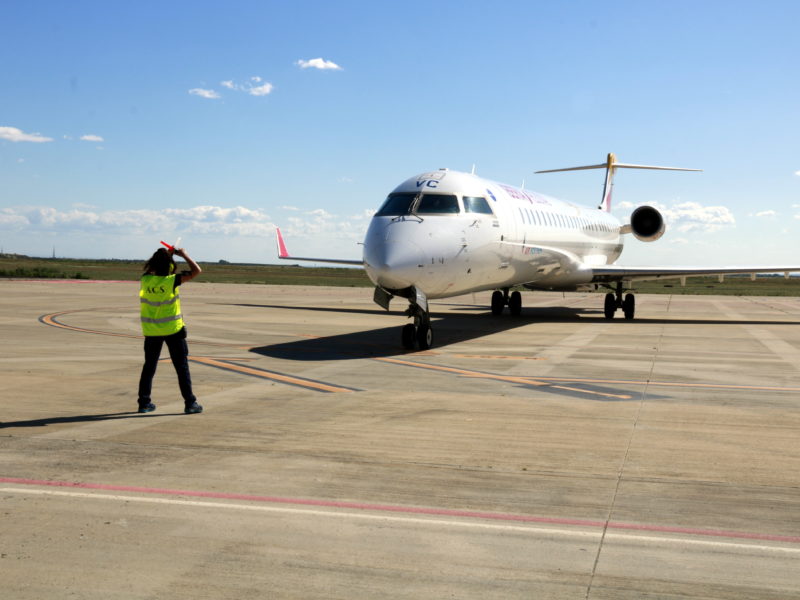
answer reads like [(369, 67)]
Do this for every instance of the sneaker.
[(146, 408), (193, 409)]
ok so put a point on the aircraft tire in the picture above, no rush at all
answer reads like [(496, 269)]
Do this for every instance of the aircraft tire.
[(409, 336), (610, 306), (498, 302), (424, 336), (515, 303), (629, 306)]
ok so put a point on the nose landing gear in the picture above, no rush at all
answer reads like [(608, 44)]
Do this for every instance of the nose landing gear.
[(419, 333)]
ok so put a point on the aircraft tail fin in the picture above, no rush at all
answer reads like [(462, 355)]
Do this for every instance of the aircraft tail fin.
[(282, 252), (610, 166)]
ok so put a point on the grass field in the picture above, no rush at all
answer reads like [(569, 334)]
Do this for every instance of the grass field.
[(64, 268), (67, 268)]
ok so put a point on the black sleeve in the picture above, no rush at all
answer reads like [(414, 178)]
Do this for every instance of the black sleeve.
[(179, 277)]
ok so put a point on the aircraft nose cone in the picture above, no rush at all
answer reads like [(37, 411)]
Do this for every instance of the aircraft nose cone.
[(394, 265)]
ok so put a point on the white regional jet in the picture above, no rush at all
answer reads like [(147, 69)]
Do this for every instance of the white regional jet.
[(447, 233)]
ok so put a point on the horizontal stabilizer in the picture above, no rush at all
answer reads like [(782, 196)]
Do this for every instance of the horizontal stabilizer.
[(610, 166), (617, 165)]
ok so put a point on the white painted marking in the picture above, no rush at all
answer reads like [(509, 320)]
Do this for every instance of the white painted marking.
[(543, 531)]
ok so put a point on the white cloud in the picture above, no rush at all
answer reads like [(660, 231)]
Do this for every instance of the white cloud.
[(693, 216), (212, 232), (797, 173), (203, 93), (10, 220), (319, 223), (92, 138), (318, 63), (248, 88), (13, 134), (199, 220), (766, 213), (261, 90)]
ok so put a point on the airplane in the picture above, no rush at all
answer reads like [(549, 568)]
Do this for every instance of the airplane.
[(446, 233)]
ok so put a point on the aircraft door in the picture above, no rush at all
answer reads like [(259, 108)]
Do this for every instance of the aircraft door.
[(483, 233)]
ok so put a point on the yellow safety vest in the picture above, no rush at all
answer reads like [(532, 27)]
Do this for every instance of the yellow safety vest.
[(160, 304)]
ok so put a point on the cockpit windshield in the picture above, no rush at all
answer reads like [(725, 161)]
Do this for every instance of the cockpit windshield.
[(431, 204), (405, 203), (396, 205)]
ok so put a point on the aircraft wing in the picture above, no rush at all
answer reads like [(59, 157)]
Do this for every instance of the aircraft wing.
[(613, 273), (284, 254)]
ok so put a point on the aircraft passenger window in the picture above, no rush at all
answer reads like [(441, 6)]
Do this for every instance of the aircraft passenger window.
[(396, 205), (437, 204), (474, 204)]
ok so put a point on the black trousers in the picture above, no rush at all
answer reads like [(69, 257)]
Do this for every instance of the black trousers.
[(178, 352)]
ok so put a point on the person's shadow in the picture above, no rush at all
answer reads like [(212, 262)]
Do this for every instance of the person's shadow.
[(82, 419)]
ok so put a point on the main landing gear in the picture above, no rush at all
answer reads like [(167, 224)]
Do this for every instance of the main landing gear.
[(615, 301), (419, 333), (502, 298)]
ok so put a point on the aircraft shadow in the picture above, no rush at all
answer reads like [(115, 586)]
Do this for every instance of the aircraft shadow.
[(385, 341), (449, 328), (360, 311), (83, 419)]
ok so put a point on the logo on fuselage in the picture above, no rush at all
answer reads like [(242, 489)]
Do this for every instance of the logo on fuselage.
[(430, 180)]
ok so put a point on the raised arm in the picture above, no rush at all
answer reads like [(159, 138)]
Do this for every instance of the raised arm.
[(195, 268)]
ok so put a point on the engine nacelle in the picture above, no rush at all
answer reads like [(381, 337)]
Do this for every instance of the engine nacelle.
[(647, 224)]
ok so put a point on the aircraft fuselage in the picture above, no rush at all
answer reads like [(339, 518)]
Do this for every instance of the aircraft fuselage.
[(449, 233)]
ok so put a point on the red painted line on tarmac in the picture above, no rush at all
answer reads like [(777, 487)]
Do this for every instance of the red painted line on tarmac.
[(439, 512)]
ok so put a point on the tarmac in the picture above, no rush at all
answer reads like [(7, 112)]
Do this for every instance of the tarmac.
[(551, 455)]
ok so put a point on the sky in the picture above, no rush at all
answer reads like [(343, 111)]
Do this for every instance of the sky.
[(123, 124)]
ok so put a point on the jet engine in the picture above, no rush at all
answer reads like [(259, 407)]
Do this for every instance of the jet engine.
[(647, 224)]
